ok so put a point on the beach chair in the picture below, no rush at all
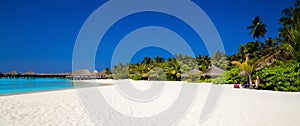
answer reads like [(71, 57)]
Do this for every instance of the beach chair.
[(245, 85), (236, 85)]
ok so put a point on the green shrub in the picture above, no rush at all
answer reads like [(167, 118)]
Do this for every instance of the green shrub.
[(219, 80), (135, 77), (283, 77), (205, 80), (231, 76)]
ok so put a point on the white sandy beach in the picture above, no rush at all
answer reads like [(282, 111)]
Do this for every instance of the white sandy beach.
[(237, 107)]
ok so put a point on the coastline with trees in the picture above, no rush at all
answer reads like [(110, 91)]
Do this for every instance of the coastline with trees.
[(275, 60)]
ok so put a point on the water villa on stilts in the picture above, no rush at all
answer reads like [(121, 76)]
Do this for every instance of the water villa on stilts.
[(12, 75), (80, 75), (28, 75), (87, 75)]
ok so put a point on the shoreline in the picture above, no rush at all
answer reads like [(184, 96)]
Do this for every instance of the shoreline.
[(110, 82)]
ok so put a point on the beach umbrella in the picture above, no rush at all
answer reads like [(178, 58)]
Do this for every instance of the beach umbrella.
[(243, 73), (213, 71)]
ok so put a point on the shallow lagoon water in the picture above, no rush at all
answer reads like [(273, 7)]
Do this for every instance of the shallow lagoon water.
[(17, 86), (21, 85)]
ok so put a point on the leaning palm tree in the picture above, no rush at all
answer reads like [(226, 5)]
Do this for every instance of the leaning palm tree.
[(245, 66), (250, 66), (258, 29)]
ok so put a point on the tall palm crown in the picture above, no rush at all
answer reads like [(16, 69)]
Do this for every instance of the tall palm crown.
[(258, 29), (290, 19), (290, 31)]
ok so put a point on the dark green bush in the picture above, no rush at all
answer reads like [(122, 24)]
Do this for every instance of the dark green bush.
[(233, 76), (283, 77)]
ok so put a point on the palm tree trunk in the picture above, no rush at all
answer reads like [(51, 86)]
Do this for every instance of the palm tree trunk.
[(247, 57), (250, 81)]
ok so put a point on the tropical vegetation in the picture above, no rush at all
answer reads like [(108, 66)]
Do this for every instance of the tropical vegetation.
[(275, 60)]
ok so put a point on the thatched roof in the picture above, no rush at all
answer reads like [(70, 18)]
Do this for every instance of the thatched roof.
[(1, 74), (195, 71), (81, 72), (213, 71), (12, 73), (103, 72), (95, 72), (29, 73)]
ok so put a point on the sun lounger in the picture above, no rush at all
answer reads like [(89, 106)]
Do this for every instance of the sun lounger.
[(236, 85)]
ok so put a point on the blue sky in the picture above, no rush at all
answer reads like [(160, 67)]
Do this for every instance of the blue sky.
[(39, 35)]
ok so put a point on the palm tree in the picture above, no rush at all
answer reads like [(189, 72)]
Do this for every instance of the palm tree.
[(290, 19), (187, 63), (248, 68), (147, 60), (249, 50), (120, 71), (107, 71), (292, 44), (203, 62), (290, 31), (219, 59), (258, 29), (173, 70), (158, 59), (270, 43)]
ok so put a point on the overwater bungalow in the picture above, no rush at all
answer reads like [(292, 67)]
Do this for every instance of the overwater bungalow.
[(29, 74), (212, 72), (12, 74), (52, 75), (82, 75)]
